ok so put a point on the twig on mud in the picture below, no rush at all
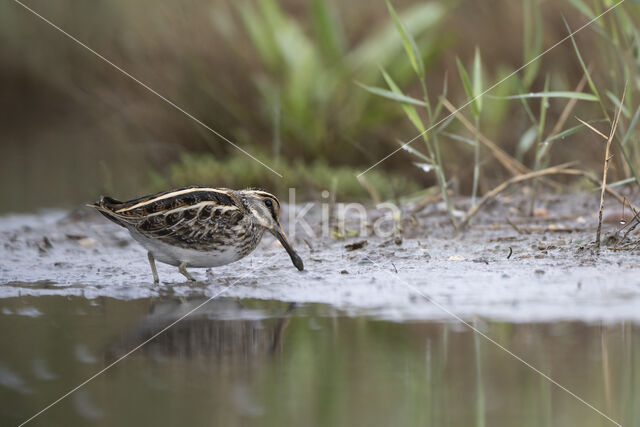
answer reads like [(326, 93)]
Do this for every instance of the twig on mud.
[(515, 227), (426, 202), (633, 224), (555, 170), (309, 245), (633, 227), (607, 158)]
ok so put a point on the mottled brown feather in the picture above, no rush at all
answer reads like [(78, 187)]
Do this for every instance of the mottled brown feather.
[(195, 217)]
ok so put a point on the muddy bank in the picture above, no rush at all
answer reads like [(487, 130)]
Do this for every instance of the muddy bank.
[(505, 267)]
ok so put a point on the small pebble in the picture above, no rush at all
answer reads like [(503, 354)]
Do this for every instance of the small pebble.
[(87, 242)]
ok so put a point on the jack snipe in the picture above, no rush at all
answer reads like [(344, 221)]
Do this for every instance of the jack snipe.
[(199, 226)]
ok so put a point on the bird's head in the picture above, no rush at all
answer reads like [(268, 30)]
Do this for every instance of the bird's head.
[(265, 208)]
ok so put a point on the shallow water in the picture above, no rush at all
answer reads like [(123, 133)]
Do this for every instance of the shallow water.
[(254, 362)]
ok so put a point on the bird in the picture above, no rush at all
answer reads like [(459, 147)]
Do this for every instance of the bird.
[(199, 226)]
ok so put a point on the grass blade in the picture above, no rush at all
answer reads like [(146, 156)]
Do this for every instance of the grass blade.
[(408, 148), (444, 125), (409, 110), (532, 36), (261, 36), (571, 131), (583, 8), (559, 94), (408, 42), (621, 182), (592, 85), (394, 96), (460, 138), (381, 47), (544, 105), (525, 143), (477, 80), (616, 102), (632, 125), (327, 28), (445, 89), (468, 88)]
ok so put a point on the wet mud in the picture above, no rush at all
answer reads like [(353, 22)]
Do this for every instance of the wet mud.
[(505, 266)]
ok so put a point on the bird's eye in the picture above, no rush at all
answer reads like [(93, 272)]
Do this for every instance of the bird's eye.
[(268, 202)]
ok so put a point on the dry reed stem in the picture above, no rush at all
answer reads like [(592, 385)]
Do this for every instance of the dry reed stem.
[(427, 201), (607, 158), (515, 227), (605, 137), (511, 164), (369, 189)]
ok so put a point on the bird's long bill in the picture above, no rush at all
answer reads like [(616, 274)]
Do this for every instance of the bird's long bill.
[(295, 258)]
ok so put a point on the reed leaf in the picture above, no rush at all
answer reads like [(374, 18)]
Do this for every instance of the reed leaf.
[(468, 87), (410, 46), (409, 110), (394, 96), (560, 94)]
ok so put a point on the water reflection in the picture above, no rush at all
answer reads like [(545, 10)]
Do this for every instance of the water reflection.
[(267, 363), (219, 329)]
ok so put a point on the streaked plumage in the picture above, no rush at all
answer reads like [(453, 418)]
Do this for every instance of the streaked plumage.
[(199, 226)]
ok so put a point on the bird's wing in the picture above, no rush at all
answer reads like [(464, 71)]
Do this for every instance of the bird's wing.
[(202, 225)]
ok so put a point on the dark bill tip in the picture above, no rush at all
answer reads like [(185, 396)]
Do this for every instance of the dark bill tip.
[(295, 258), (297, 261)]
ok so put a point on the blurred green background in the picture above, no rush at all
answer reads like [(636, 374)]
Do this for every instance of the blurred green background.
[(287, 81)]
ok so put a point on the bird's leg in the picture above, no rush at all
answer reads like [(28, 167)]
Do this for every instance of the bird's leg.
[(183, 270), (152, 263)]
